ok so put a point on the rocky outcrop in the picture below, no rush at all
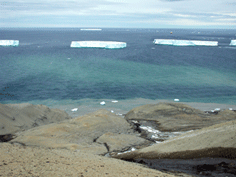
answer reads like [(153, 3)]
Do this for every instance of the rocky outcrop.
[(214, 141), (98, 133), (173, 117), (121, 142), (19, 117)]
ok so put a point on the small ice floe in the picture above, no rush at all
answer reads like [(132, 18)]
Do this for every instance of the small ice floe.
[(215, 110), (119, 114), (114, 101), (112, 111), (68, 58), (176, 99), (231, 109), (102, 103), (74, 109)]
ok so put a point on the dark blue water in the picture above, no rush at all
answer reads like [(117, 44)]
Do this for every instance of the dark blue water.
[(44, 69)]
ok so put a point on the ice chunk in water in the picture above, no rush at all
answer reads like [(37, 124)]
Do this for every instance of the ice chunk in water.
[(9, 42), (233, 42), (176, 42), (98, 44)]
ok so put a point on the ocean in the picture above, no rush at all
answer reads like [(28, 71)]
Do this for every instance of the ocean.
[(43, 69)]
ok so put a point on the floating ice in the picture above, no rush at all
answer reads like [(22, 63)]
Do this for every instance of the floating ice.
[(102, 103), (75, 109), (9, 42), (114, 101), (233, 42), (98, 44), (184, 42), (176, 99), (90, 29)]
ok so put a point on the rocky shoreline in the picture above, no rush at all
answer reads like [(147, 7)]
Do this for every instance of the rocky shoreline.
[(149, 135)]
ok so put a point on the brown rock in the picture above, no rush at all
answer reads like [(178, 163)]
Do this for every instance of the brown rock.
[(120, 142), (177, 116), (19, 117), (82, 133), (214, 141), (34, 161)]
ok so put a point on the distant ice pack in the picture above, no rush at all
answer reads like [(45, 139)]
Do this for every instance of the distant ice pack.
[(9, 42), (233, 42), (98, 44), (176, 42)]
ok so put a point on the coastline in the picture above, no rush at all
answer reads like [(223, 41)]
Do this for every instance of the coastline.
[(62, 138), (122, 107)]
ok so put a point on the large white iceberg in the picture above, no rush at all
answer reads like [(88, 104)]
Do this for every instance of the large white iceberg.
[(9, 42), (233, 42), (98, 44), (176, 42)]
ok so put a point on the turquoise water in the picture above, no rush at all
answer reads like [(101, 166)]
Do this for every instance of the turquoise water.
[(45, 70)]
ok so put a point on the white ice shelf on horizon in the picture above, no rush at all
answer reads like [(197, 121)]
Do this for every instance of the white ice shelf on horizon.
[(233, 42), (9, 42), (98, 44), (91, 29), (176, 42)]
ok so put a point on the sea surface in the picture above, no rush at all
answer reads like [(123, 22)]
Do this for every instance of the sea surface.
[(43, 69)]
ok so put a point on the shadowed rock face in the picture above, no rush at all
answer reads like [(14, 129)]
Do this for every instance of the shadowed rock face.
[(19, 117), (177, 117), (98, 133)]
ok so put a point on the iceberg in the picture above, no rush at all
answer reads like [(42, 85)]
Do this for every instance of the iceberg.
[(90, 29), (98, 44), (9, 42), (176, 42), (233, 42)]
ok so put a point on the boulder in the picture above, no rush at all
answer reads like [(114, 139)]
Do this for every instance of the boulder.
[(91, 133), (173, 117), (215, 141), (19, 117)]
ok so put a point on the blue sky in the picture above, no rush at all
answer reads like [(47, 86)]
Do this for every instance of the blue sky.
[(119, 13)]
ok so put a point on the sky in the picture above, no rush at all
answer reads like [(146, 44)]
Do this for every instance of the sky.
[(119, 13)]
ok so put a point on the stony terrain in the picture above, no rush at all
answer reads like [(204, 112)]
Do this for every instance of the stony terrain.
[(215, 141), (97, 133), (29, 161), (39, 141), (20, 117), (173, 117)]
